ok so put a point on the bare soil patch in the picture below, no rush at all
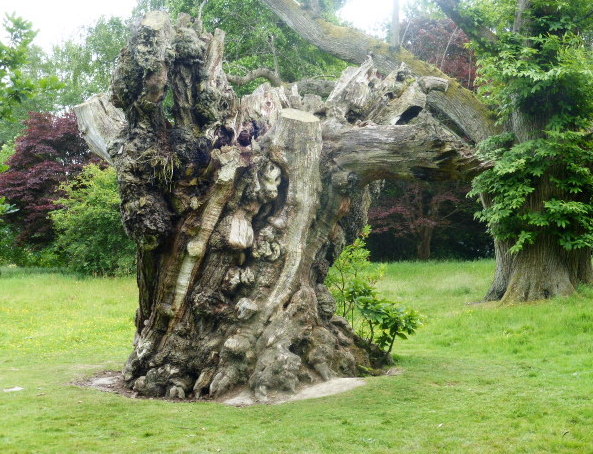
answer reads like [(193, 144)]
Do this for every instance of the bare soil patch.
[(113, 382)]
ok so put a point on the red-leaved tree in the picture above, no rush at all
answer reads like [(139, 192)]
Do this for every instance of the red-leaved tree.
[(48, 153), (415, 210), (442, 43)]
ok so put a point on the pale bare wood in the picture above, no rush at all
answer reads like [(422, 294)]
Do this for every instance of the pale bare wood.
[(100, 123)]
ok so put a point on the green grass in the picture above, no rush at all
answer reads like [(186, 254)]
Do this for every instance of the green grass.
[(476, 378)]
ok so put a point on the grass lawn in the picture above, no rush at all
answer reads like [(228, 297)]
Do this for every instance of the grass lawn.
[(476, 378)]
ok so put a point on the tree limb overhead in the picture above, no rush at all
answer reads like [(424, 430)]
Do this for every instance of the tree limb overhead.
[(476, 31)]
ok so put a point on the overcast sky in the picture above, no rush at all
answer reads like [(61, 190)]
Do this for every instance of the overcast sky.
[(58, 20)]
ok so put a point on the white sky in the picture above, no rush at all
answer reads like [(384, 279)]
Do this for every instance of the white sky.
[(369, 15), (58, 20)]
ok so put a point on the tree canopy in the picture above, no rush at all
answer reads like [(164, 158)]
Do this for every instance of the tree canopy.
[(15, 87), (50, 152), (543, 70)]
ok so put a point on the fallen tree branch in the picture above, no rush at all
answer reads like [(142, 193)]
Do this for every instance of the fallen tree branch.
[(459, 105), (403, 152)]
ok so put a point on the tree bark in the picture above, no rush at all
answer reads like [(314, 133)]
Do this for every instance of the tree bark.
[(544, 270), (424, 241), (239, 207)]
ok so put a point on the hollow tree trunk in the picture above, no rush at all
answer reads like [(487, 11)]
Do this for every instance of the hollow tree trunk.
[(239, 207)]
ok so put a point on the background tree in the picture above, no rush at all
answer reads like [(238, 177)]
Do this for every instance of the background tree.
[(536, 70), (427, 215), (90, 234), (85, 65), (50, 152), (14, 85), (70, 73), (36, 69), (440, 42), (19, 82)]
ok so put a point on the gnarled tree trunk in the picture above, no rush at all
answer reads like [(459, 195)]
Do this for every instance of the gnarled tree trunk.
[(239, 207)]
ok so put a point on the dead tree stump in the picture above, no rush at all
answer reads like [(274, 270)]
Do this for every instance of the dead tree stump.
[(239, 207)]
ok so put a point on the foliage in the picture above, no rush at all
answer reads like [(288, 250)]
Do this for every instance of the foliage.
[(72, 72), (385, 321), (5, 153), (89, 228), (4, 207), (21, 85), (14, 253), (14, 85), (563, 161), (42, 100), (427, 216), (255, 38), (351, 280), (542, 183), (50, 152), (85, 65), (9, 254)]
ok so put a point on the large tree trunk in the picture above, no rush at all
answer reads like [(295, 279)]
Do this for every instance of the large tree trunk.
[(543, 269), (424, 241), (239, 207)]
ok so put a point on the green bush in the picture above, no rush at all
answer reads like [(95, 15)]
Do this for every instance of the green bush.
[(352, 280), (5, 152), (90, 232)]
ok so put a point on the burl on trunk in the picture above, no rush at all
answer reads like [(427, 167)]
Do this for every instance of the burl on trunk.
[(239, 207)]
